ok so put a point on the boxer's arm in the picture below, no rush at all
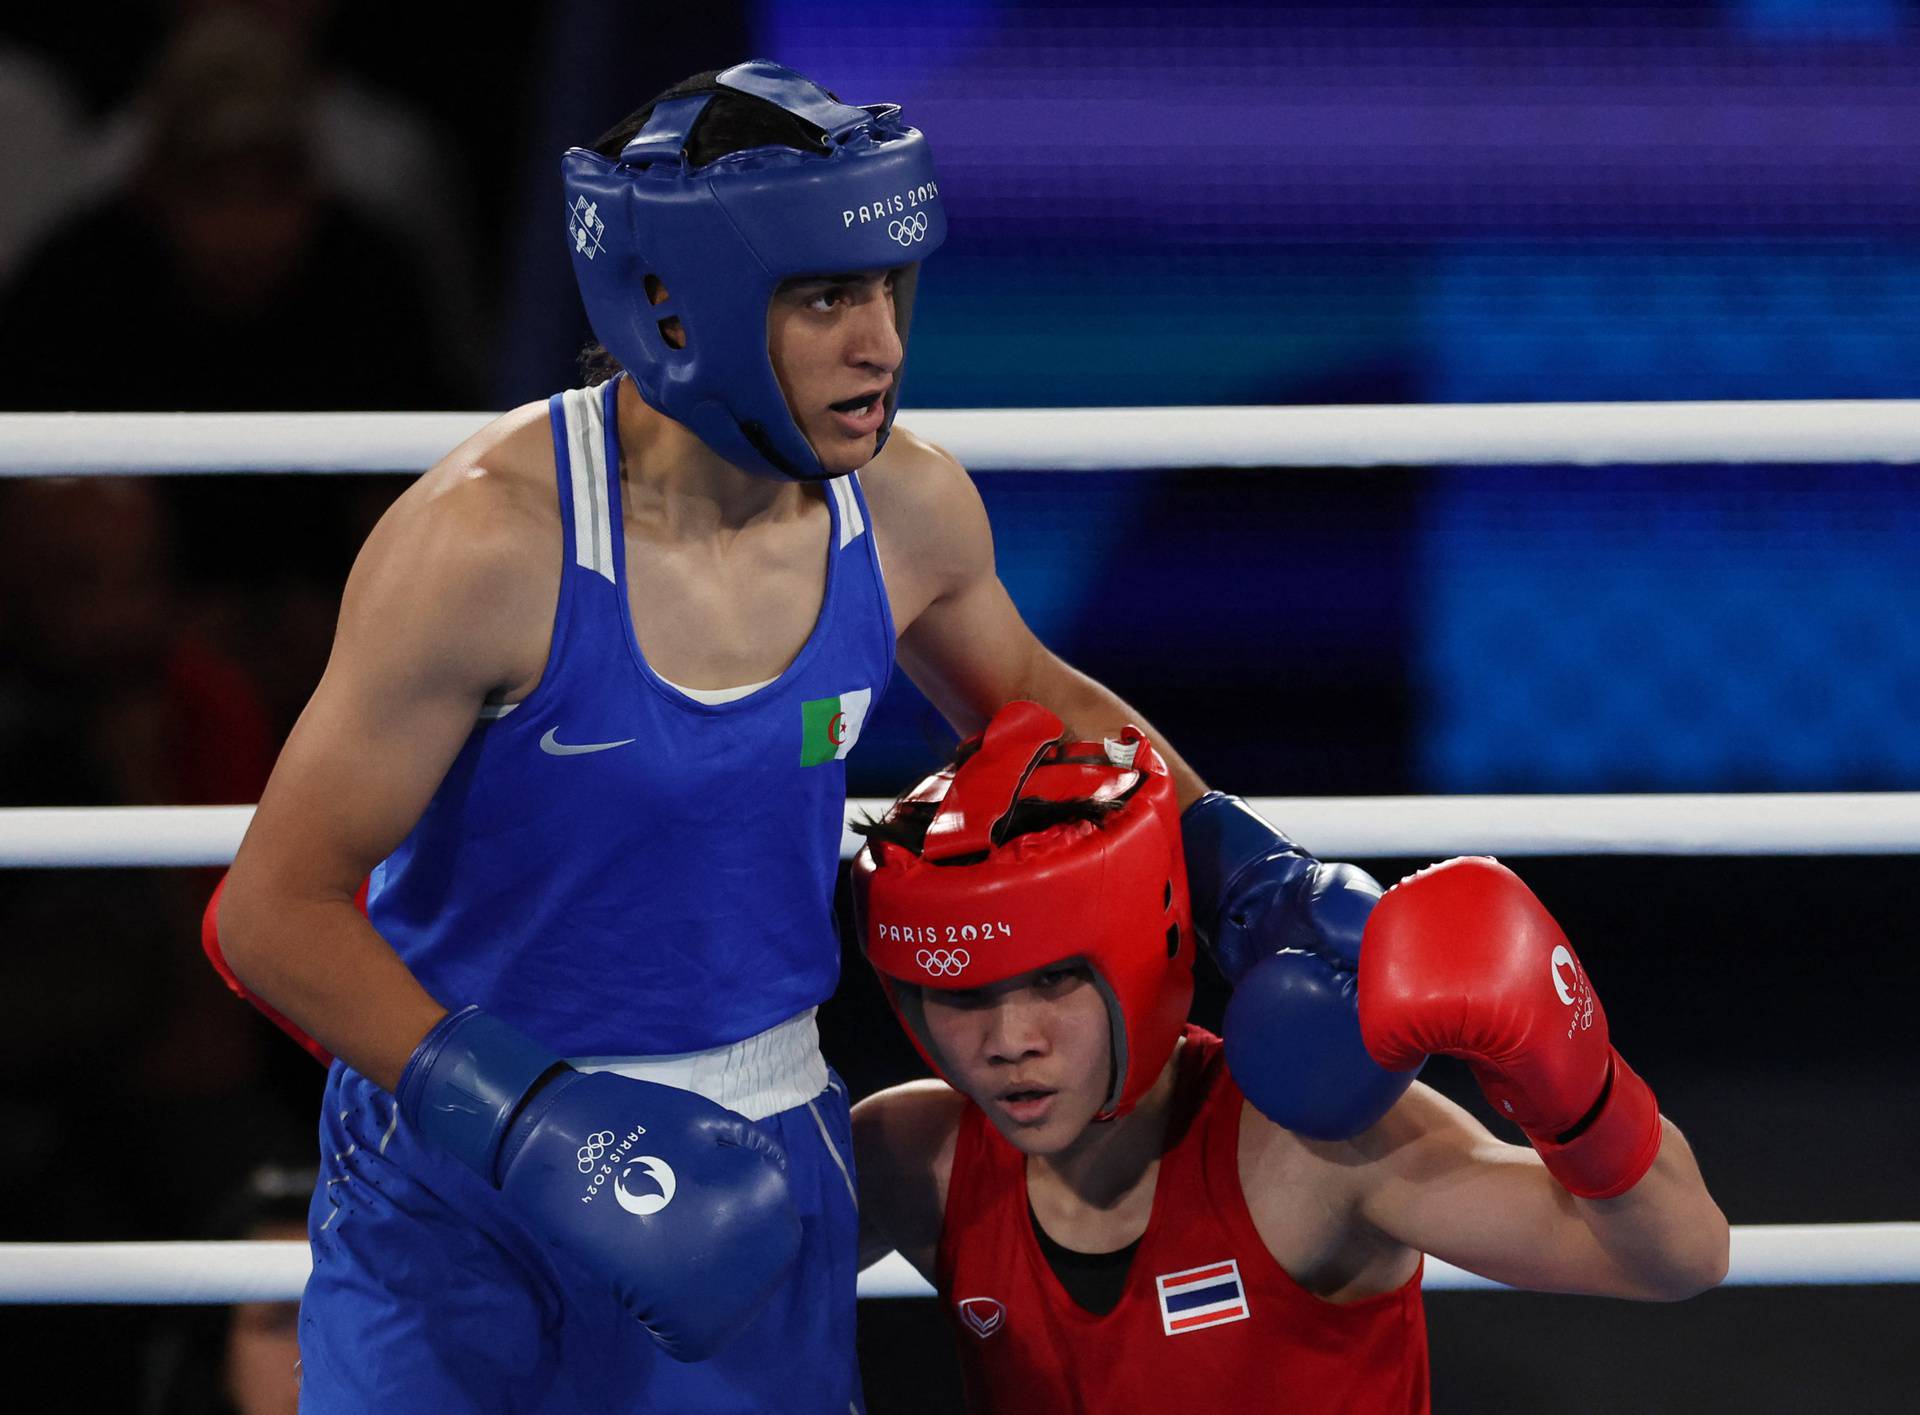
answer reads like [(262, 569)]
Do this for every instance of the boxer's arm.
[(438, 613), (961, 639), (903, 1151), (1434, 1179)]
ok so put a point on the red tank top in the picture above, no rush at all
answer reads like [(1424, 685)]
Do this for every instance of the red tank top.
[(1206, 1316)]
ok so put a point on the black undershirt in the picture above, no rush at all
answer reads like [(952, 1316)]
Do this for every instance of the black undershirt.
[(1093, 1280)]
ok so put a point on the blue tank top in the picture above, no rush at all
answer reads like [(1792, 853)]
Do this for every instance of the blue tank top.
[(615, 867)]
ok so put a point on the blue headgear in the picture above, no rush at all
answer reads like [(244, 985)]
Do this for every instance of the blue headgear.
[(720, 238)]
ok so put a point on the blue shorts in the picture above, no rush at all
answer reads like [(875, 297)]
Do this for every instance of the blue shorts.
[(427, 1295)]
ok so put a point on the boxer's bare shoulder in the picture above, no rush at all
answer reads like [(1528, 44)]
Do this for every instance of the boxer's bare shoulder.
[(929, 523), (449, 605), (500, 477), (913, 484), (903, 1139), (470, 554)]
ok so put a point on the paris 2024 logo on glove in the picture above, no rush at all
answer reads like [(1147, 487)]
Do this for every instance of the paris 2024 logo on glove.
[(1571, 986), (642, 1184)]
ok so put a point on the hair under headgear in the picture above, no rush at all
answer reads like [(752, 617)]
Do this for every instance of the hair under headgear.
[(976, 906), (719, 238)]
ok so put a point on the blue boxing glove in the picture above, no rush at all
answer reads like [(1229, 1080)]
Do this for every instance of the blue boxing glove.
[(679, 1204), (1285, 930)]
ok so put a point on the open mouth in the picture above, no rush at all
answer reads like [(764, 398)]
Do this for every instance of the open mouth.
[(1028, 1105), (860, 404)]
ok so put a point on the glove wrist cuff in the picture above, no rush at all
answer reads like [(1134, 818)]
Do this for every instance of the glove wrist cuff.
[(465, 1081), (1617, 1146), (1221, 836)]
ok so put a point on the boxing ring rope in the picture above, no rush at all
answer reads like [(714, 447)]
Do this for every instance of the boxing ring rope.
[(1370, 827), (1079, 439), (1065, 439), (1764, 1255)]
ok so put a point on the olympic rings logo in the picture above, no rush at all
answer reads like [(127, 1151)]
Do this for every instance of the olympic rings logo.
[(913, 228), (941, 963), (596, 1146)]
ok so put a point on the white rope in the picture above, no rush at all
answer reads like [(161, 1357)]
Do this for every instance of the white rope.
[(153, 1272), (98, 836), (1756, 823), (1763, 1255), (121, 444), (1842, 823), (1766, 1255), (1072, 439)]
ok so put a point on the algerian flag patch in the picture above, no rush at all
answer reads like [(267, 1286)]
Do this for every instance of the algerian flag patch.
[(830, 726)]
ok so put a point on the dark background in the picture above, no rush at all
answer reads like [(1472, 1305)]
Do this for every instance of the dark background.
[(353, 206)]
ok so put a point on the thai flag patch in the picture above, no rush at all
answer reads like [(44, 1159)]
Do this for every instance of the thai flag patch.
[(1202, 1297)]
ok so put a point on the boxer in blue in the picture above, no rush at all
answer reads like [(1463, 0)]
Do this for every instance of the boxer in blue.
[(580, 1149)]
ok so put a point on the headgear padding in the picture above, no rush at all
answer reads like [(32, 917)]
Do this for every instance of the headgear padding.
[(719, 238), (975, 908)]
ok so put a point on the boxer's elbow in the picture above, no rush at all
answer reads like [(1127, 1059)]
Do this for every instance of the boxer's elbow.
[(1679, 1286), (259, 926), (243, 928), (1698, 1265), (1716, 1257)]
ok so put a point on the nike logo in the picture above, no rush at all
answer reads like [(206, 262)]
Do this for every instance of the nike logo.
[(561, 749)]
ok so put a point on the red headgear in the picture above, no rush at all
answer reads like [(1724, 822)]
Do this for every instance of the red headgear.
[(974, 908)]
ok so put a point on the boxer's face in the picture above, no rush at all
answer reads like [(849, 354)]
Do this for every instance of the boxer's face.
[(1035, 1052), (836, 351)]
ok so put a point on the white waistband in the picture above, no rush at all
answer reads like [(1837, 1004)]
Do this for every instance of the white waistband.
[(767, 1073)]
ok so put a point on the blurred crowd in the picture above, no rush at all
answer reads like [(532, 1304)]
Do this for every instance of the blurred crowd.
[(228, 205), (243, 226)]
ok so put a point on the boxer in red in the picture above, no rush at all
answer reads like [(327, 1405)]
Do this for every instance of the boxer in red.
[(1110, 1223)]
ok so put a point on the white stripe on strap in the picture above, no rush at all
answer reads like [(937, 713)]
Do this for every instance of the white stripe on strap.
[(852, 523), (587, 458)]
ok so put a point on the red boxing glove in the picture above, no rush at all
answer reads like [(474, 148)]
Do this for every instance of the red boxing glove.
[(210, 944), (1462, 959)]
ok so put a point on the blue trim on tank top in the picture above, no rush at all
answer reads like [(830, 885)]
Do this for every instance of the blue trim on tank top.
[(616, 511)]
